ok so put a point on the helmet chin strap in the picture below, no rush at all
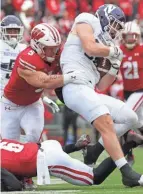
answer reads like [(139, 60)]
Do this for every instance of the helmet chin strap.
[(50, 59), (130, 46)]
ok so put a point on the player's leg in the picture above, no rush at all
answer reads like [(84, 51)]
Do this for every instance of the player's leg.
[(86, 102), (108, 166), (66, 123), (124, 118), (135, 101), (32, 121), (81, 143), (61, 165), (10, 124)]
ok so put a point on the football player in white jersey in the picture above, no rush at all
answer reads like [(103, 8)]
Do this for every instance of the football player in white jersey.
[(11, 34), (93, 36)]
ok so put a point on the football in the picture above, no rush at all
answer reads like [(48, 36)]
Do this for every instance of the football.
[(103, 65)]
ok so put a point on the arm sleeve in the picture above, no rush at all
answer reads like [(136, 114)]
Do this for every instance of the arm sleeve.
[(70, 148)]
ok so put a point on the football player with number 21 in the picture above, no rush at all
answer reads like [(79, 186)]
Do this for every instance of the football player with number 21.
[(132, 73)]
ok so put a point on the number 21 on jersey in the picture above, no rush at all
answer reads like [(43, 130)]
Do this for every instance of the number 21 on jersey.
[(131, 70)]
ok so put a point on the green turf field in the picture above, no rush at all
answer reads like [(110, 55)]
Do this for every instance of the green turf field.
[(112, 185)]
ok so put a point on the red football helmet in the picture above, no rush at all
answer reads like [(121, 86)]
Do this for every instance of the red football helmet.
[(131, 35), (45, 37)]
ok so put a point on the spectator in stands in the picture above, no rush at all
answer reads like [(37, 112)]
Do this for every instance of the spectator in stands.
[(69, 117)]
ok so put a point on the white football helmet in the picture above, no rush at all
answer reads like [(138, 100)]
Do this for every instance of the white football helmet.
[(11, 22), (44, 35), (131, 35)]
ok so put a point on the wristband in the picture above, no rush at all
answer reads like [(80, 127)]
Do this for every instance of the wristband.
[(113, 71), (67, 78), (111, 51)]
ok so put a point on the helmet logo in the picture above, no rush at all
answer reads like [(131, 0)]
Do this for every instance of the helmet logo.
[(37, 34), (109, 9)]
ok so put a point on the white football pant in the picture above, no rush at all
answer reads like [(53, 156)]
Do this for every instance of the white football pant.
[(30, 118), (86, 102), (124, 117), (135, 102), (61, 165)]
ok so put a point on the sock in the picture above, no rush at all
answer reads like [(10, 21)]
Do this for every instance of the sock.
[(103, 170), (121, 162), (108, 165), (70, 148), (97, 149)]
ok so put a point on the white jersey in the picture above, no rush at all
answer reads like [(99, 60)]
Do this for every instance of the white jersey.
[(74, 57), (8, 56)]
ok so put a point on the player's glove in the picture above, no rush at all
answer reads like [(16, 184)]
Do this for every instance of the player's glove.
[(51, 104), (115, 66), (115, 53), (83, 141), (76, 77)]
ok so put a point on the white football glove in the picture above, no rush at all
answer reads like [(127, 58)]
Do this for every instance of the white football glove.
[(115, 53), (51, 104), (76, 77), (115, 66)]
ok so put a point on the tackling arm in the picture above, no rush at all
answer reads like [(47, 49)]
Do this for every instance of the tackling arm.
[(41, 79)]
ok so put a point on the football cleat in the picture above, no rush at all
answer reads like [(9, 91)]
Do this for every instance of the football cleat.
[(130, 178), (28, 184), (135, 137)]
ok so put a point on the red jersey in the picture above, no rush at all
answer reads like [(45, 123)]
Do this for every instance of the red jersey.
[(18, 90), (18, 158), (132, 68)]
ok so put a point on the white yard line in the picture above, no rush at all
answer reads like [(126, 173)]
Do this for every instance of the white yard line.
[(44, 192)]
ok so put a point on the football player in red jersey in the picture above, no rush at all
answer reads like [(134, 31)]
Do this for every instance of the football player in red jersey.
[(48, 158), (132, 71), (21, 103)]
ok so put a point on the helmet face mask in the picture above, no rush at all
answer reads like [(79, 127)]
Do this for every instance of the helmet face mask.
[(131, 36), (45, 40), (50, 53), (114, 28), (12, 36), (11, 30), (112, 20)]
